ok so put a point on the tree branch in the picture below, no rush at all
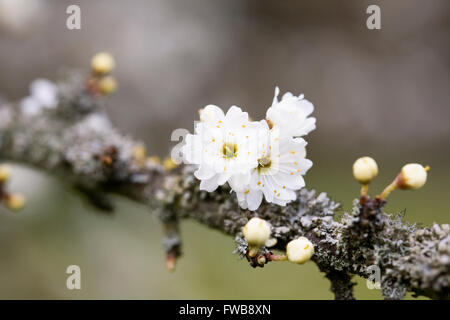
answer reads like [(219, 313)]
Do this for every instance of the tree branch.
[(77, 141)]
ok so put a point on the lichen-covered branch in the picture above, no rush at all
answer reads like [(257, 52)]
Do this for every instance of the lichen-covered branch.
[(77, 141)]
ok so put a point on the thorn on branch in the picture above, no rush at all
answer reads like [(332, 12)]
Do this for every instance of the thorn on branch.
[(171, 243)]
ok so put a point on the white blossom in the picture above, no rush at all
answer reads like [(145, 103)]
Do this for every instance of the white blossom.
[(280, 169), (223, 147), (290, 115)]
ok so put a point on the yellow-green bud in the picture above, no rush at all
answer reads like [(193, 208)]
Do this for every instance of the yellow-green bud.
[(15, 201), (365, 169), (256, 232), (412, 176), (154, 160), (299, 250), (169, 164), (271, 242), (107, 85), (261, 260), (5, 173), (103, 63), (253, 251)]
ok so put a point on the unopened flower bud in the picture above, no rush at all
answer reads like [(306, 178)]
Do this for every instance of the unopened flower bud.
[(15, 201), (169, 164), (253, 251), (256, 232), (5, 173), (154, 160), (261, 260), (412, 176), (271, 242), (365, 169), (107, 85), (102, 63), (139, 154), (299, 250)]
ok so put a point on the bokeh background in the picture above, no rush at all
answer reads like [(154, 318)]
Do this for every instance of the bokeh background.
[(383, 93)]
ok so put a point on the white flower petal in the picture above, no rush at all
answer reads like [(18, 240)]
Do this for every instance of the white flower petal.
[(242, 200), (223, 177), (305, 165), (211, 113), (254, 199), (192, 150), (204, 172), (236, 114), (240, 181), (290, 115), (209, 184), (275, 96), (279, 202)]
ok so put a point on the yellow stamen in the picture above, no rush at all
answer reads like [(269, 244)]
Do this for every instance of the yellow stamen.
[(229, 150)]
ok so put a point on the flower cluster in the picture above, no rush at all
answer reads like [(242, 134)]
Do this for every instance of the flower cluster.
[(256, 158)]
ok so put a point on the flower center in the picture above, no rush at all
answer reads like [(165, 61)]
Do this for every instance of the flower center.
[(229, 150), (264, 164)]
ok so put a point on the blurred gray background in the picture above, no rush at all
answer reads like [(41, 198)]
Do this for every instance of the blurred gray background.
[(383, 93)]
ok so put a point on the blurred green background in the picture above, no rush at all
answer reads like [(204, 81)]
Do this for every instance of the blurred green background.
[(380, 93)]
